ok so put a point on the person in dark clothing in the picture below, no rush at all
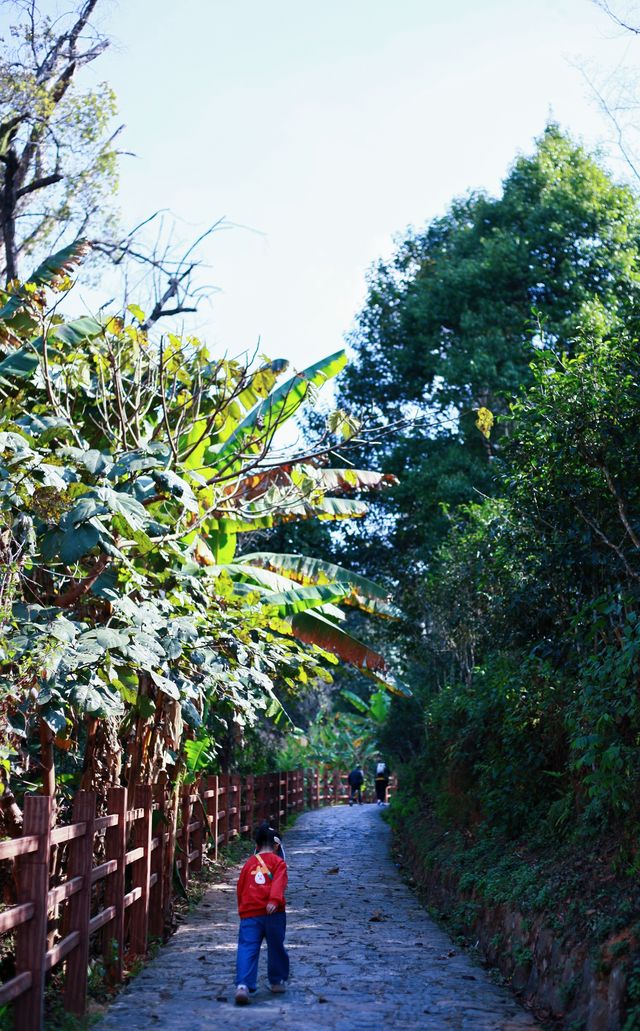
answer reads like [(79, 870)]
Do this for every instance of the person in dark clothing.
[(382, 781), (356, 780)]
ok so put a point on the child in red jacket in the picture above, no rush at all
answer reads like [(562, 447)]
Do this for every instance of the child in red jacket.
[(261, 905)]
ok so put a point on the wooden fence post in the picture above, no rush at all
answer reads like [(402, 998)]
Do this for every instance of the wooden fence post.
[(284, 796), (80, 864), (269, 807), (141, 871), (32, 871), (198, 832), (235, 783), (185, 810), (115, 843), (262, 787), (250, 801), (274, 797), (157, 888), (211, 809), (223, 809)]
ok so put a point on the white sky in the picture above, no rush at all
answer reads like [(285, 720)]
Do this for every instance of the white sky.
[(326, 128)]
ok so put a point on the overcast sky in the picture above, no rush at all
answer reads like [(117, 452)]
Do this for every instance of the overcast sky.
[(327, 128)]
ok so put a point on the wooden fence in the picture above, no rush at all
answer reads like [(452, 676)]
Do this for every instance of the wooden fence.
[(118, 870)]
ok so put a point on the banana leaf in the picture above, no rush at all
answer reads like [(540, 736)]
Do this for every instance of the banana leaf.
[(295, 600), (56, 265), (365, 594), (270, 413), (314, 628)]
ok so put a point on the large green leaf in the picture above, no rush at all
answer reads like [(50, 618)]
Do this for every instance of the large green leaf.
[(260, 386), (357, 702), (294, 600), (76, 332), (22, 363), (271, 584), (124, 505), (365, 594), (266, 416), (314, 628), (261, 518), (57, 264), (95, 699), (19, 364), (78, 541)]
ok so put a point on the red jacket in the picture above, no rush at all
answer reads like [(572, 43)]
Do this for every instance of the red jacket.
[(257, 886)]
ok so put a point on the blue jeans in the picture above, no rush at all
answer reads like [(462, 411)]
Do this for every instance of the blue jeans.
[(253, 929)]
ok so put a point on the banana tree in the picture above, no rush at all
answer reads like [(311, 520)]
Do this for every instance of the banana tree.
[(128, 468), (311, 608)]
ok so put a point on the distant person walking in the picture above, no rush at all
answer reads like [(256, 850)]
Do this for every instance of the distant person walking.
[(382, 781), (356, 780)]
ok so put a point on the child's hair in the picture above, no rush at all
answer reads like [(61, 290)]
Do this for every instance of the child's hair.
[(266, 835)]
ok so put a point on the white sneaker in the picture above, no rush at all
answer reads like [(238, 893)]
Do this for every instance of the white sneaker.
[(242, 995)]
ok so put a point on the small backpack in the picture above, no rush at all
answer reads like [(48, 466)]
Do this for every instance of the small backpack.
[(381, 769)]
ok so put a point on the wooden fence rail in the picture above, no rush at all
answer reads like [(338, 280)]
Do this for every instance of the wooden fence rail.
[(118, 874)]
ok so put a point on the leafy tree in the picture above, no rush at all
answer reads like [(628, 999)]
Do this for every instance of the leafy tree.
[(128, 470), (339, 738), (452, 322), (529, 614), (57, 150)]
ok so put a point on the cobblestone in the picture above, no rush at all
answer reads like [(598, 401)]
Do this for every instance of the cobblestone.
[(364, 953)]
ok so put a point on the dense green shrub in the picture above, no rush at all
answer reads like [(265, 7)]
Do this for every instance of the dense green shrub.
[(531, 613)]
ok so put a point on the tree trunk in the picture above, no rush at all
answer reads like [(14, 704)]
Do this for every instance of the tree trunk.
[(46, 760), (8, 214), (102, 764)]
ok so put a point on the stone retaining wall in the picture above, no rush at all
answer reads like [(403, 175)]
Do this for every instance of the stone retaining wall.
[(558, 977)]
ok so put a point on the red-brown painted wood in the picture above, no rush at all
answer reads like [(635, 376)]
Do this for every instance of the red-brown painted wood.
[(141, 873), (197, 836), (32, 871), (185, 810), (211, 810), (115, 849), (157, 892), (223, 810), (80, 863)]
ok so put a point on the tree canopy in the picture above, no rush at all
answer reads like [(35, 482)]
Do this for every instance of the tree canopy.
[(452, 321), (57, 152), (132, 631)]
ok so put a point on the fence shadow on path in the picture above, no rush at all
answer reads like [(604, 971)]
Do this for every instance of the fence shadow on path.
[(364, 953), (103, 884)]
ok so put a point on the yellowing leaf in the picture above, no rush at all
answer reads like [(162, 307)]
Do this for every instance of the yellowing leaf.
[(203, 553), (484, 421)]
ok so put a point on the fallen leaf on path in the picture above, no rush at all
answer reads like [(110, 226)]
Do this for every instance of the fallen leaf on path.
[(377, 917), (333, 869)]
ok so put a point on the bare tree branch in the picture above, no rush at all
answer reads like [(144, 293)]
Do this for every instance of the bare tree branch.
[(606, 7)]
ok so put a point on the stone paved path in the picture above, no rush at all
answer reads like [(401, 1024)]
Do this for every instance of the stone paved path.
[(348, 972)]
